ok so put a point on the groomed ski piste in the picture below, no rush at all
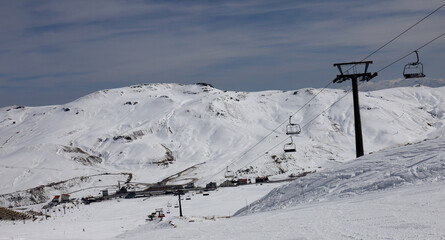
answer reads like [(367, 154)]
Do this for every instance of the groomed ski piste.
[(394, 192)]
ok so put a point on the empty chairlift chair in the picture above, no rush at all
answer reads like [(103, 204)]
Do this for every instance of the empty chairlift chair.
[(229, 174), (292, 128), (413, 70), (290, 147)]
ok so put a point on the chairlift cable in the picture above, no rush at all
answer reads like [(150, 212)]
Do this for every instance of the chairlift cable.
[(280, 143), (406, 30), (384, 45), (389, 65), (304, 105), (338, 100), (271, 132), (349, 91), (281, 124), (262, 154), (259, 156), (434, 39)]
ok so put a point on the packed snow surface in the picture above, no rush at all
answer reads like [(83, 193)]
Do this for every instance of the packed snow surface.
[(414, 212)]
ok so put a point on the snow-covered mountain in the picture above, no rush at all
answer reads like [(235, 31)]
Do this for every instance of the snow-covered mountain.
[(156, 130), (178, 133)]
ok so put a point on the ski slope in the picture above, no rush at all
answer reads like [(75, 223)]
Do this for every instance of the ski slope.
[(414, 212)]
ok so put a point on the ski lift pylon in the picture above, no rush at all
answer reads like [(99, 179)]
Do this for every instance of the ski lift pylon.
[(290, 147), (292, 128), (414, 69)]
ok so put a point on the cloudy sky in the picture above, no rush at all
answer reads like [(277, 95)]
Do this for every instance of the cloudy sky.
[(52, 52)]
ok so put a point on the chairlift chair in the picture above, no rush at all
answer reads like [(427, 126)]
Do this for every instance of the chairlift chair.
[(413, 70), (290, 147), (229, 174), (292, 128)]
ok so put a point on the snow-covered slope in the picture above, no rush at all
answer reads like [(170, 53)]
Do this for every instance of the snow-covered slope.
[(157, 130), (414, 212), (413, 164)]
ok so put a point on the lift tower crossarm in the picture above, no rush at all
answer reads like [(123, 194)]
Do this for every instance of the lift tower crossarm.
[(365, 76)]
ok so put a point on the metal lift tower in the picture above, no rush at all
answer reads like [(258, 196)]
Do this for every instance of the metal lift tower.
[(355, 71)]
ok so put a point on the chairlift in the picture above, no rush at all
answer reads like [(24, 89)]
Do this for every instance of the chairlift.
[(169, 204), (290, 147), (413, 70), (151, 217), (229, 174), (160, 213), (292, 128)]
